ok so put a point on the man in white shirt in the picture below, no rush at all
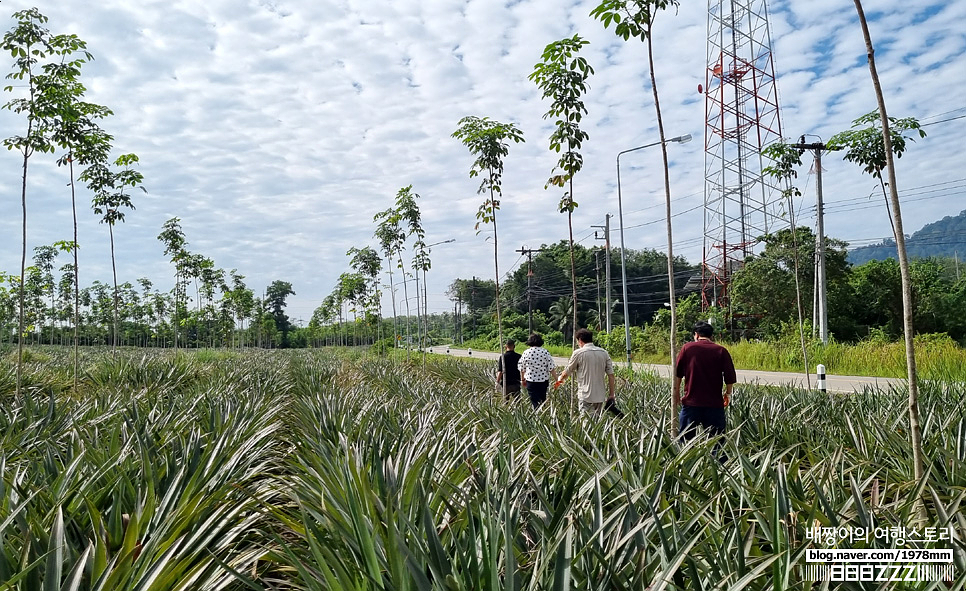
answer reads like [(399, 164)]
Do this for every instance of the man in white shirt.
[(591, 364)]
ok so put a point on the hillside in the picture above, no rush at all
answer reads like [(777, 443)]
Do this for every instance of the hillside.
[(943, 238)]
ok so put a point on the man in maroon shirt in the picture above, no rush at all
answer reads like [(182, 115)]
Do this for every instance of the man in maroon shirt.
[(705, 366)]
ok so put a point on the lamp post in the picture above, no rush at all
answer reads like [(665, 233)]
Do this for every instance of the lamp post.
[(681, 139)]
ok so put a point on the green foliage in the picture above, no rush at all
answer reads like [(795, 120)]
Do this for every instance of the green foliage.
[(631, 18), (864, 145), (562, 76), (489, 141), (764, 287)]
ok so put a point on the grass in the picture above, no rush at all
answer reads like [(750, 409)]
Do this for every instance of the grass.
[(321, 471)]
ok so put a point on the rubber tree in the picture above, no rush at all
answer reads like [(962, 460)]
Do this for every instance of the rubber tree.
[(36, 54), (635, 18), (391, 224), (489, 141), (562, 76), (871, 143), (391, 236), (111, 197), (785, 161), (44, 257), (173, 238), (74, 129), (367, 263), (410, 215)]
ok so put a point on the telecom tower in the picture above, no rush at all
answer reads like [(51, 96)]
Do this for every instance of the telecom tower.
[(741, 104)]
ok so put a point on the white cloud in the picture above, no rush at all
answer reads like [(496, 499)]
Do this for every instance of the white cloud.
[(276, 129)]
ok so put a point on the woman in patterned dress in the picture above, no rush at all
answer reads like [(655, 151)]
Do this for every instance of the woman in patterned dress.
[(537, 368)]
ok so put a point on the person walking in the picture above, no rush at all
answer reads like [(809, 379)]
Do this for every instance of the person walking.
[(590, 366), (705, 367), (536, 368), (508, 371)]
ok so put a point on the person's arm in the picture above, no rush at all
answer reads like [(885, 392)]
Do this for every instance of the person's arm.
[(558, 380), (571, 366), (730, 377), (677, 391), (611, 384)]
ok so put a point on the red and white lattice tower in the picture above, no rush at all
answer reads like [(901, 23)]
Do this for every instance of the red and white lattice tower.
[(741, 105)]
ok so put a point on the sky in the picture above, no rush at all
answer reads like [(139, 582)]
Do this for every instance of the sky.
[(276, 129)]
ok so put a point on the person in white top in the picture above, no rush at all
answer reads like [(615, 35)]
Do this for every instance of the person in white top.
[(536, 368), (591, 365)]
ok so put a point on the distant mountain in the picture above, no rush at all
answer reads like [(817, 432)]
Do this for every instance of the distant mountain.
[(945, 238)]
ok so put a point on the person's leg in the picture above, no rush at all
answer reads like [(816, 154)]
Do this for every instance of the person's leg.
[(688, 419), (714, 421), (537, 392), (592, 408)]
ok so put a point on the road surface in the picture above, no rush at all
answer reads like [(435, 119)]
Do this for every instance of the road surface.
[(833, 383)]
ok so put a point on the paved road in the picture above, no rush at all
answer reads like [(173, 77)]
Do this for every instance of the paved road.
[(775, 378)]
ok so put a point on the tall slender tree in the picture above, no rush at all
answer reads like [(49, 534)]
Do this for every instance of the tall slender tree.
[(110, 189), (562, 76), (871, 143), (31, 44), (173, 238), (44, 258), (489, 141), (390, 235), (635, 18), (74, 129), (367, 263), (410, 214)]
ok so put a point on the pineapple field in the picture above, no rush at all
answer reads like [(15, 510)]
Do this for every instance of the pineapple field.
[(323, 470)]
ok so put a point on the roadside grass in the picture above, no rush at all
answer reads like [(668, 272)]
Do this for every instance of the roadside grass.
[(326, 470)]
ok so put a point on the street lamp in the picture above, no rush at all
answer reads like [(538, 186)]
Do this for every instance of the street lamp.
[(681, 139)]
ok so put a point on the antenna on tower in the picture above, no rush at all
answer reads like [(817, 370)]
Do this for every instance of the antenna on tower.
[(741, 203)]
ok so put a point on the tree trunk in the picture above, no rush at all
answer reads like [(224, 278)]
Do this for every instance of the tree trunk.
[(23, 265), (915, 430), (667, 214), (496, 270), (73, 208), (392, 295), (409, 338), (110, 229), (573, 265)]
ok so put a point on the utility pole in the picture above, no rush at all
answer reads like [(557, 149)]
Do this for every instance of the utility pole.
[(529, 252), (472, 303), (606, 239), (597, 269), (820, 277)]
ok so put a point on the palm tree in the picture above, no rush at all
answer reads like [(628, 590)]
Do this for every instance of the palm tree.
[(563, 316)]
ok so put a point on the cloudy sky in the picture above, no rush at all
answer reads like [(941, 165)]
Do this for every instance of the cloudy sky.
[(276, 129)]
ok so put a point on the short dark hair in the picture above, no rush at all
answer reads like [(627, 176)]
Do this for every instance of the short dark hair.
[(584, 336), (703, 329), (510, 343), (535, 340)]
